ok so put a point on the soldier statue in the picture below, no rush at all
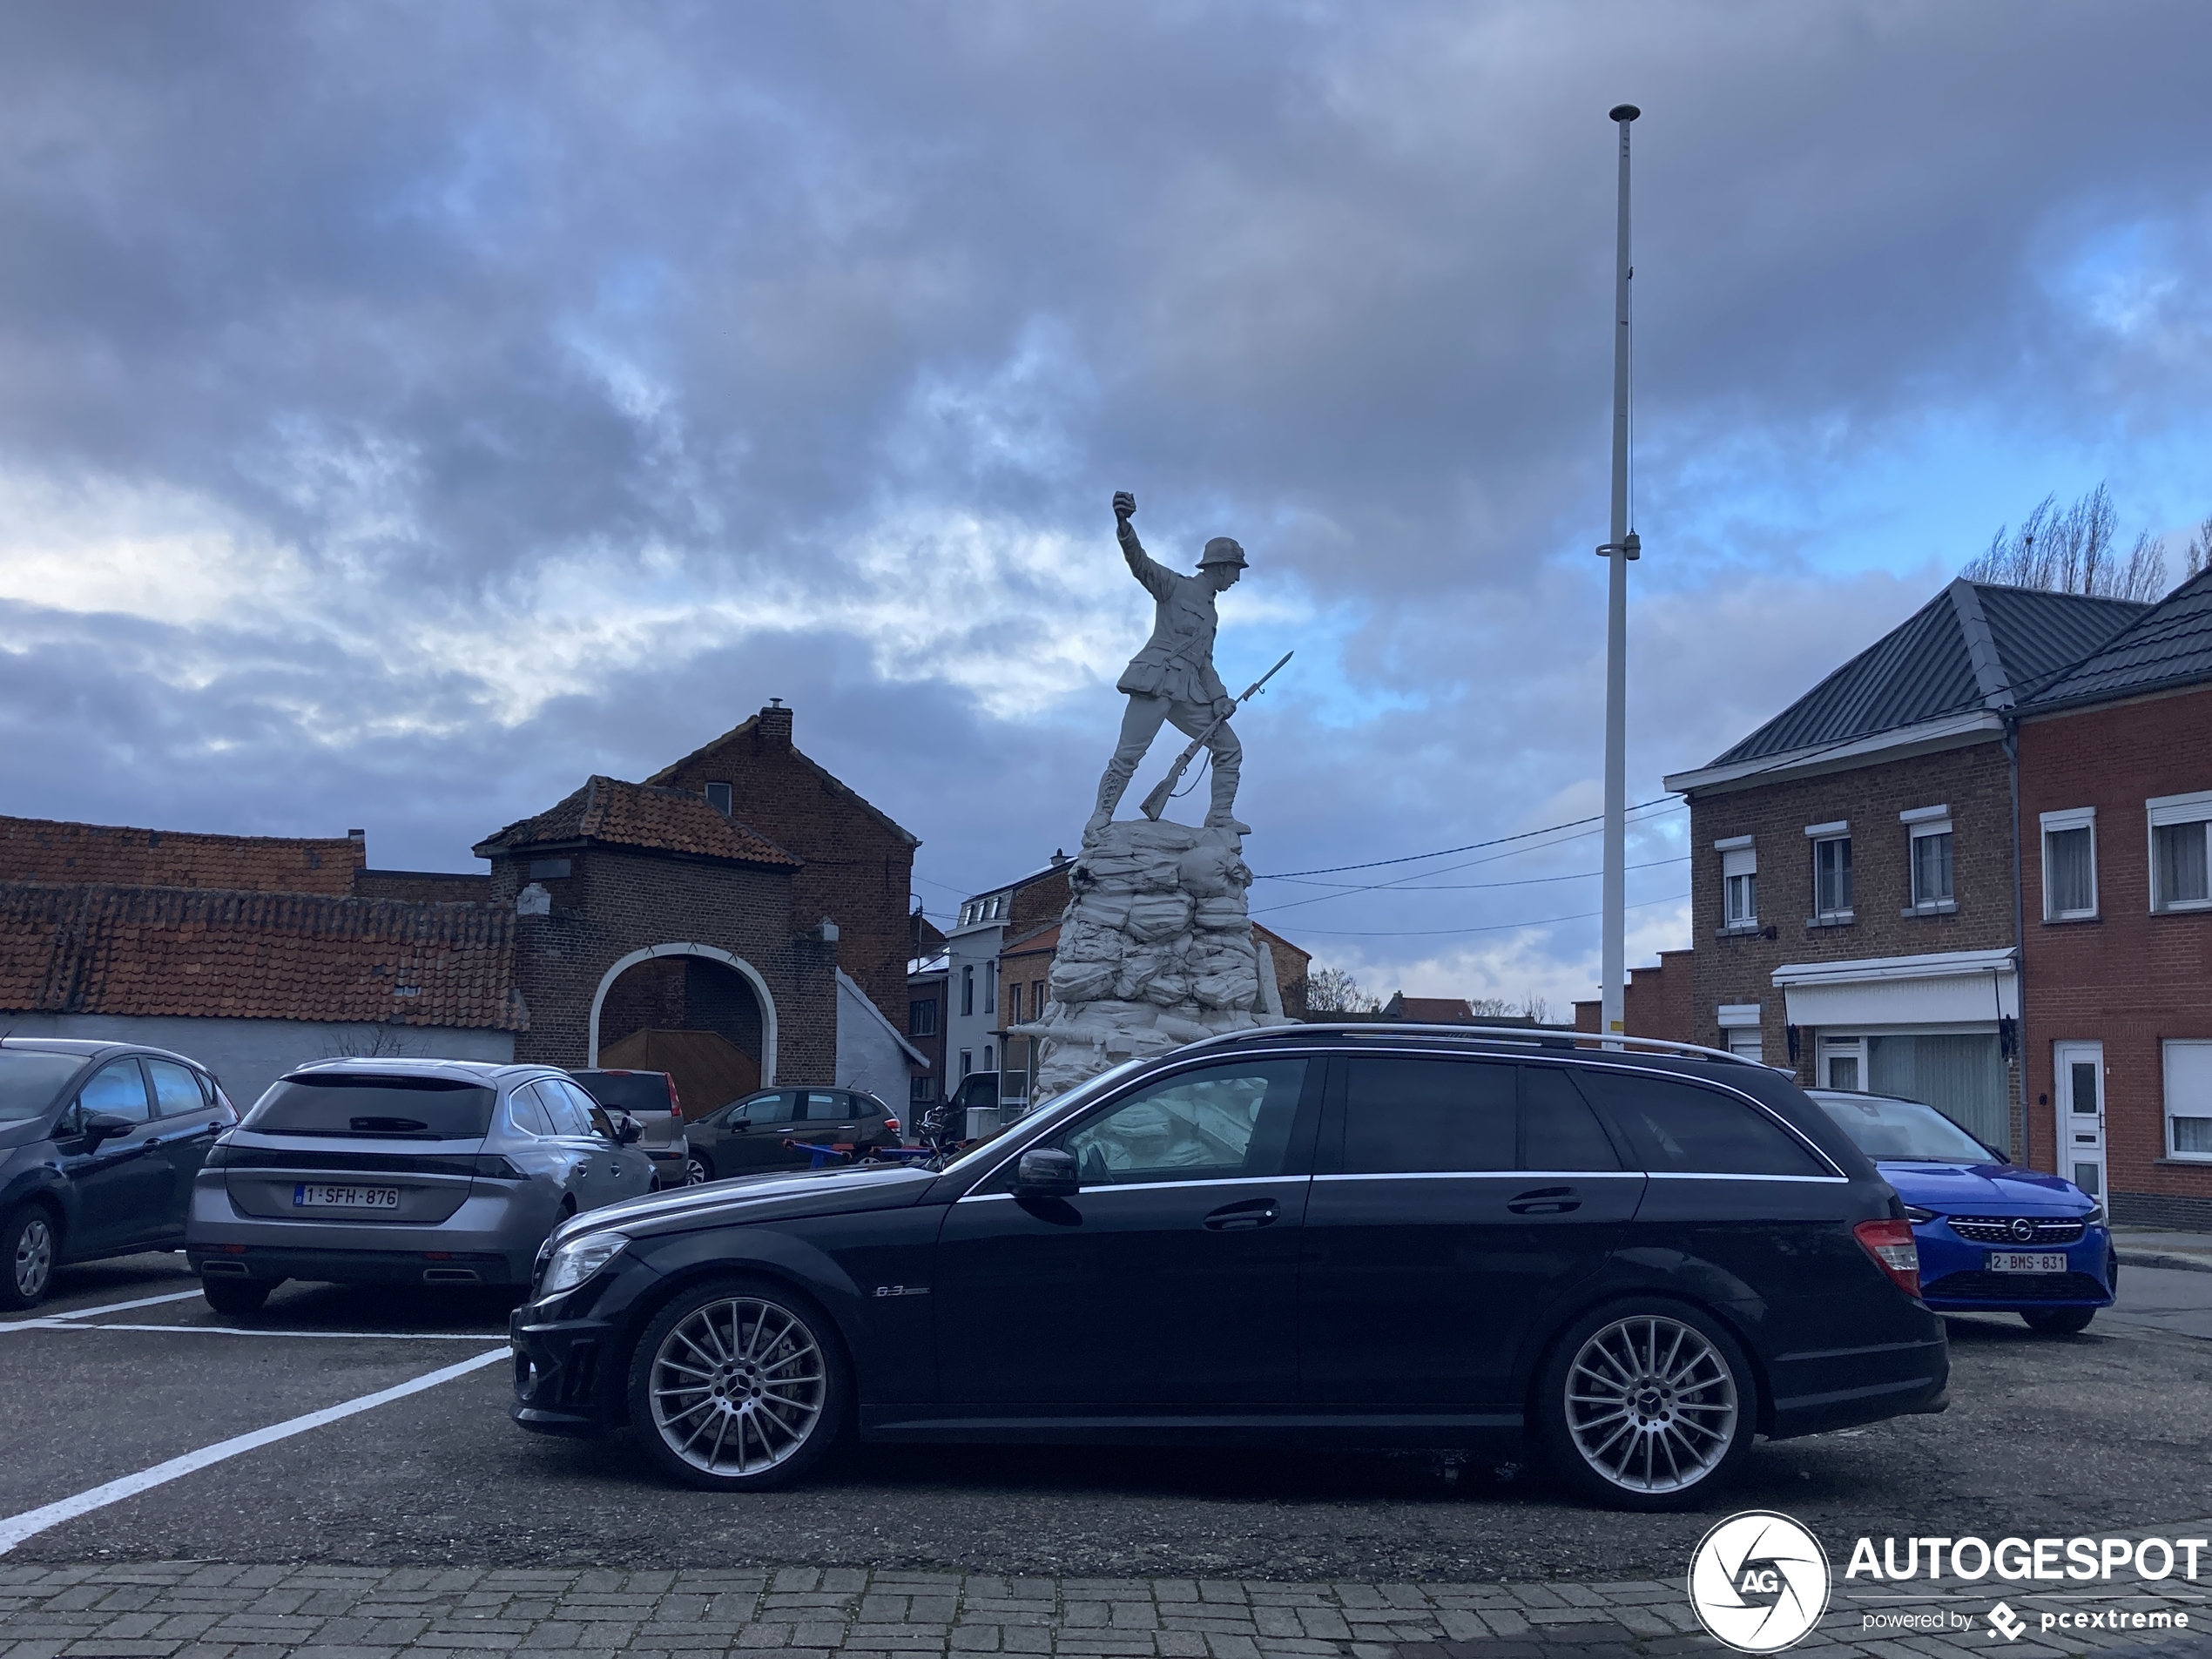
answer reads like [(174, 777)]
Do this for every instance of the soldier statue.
[(1172, 679)]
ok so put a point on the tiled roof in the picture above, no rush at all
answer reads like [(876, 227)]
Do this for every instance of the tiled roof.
[(1974, 645), (2170, 644), (38, 849), (615, 813), (99, 948)]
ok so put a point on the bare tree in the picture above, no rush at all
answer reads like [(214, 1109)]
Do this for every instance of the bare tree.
[(1531, 1007), (2073, 549), (1332, 990), (2199, 555)]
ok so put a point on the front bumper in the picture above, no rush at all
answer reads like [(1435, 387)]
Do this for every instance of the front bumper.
[(568, 1376), (1955, 1279)]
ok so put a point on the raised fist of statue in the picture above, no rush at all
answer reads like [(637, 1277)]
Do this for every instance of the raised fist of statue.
[(1125, 505)]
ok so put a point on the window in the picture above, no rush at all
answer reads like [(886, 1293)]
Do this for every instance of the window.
[(323, 1102), (1928, 830), (1739, 1023), (567, 1117), (921, 1088), (1830, 871), (717, 797), (1222, 1122), (175, 1091), (968, 988), (824, 1109), (1739, 883), (551, 869), (921, 1018), (990, 988), (967, 1061), (1962, 1075), (778, 1108), (1558, 1132), (2070, 864), (526, 1113), (990, 1063), (2189, 1099), (1014, 1002), (1746, 1042), (1036, 999), (1678, 1127), (118, 1089), (1406, 1115), (2181, 873)]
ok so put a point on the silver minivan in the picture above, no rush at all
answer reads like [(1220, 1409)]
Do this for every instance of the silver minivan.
[(402, 1171)]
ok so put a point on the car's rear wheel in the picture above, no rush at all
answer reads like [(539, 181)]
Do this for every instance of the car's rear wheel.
[(28, 1244), (1646, 1405), (2059, 1322), (739, 1385), (236, 1297), (697, 1171)]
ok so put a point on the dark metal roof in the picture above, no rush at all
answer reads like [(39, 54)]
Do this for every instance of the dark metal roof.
[(2168, 646), (1925, 666)]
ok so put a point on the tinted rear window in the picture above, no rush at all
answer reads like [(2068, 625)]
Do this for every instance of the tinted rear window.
[(1678, 1127), (1558, 1130), (415, 1108), (1405, 1116), (627, 1091), (30, 1082)]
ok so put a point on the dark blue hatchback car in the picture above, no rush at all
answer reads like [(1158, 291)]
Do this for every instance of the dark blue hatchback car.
[(1993, 1238)]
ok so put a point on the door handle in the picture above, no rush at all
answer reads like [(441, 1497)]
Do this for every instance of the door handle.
[(1242, 1217), (1545, 1201)]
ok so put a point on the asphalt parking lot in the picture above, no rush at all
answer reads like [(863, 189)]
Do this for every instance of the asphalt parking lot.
[(2101, 1432)]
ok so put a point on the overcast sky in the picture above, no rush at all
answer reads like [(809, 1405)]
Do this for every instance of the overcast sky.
[(408, 411)]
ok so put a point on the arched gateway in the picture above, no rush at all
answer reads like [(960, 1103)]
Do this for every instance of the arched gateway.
[(709, 953)]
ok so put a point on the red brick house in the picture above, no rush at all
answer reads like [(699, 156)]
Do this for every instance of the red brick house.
[(2115, 764), (1853, 903)]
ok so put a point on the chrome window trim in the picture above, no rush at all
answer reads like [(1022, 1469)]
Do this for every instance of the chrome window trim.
[(1696, 1175), (1153, 1186), (1503, 1175)]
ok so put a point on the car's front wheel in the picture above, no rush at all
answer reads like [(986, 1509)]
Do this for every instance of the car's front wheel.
[(2059, 1322), (697, 1171), (28, 1244), (739, 1385), (1646, 1405)]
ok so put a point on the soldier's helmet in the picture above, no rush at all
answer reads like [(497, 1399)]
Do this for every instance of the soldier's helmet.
[(1222, 550)]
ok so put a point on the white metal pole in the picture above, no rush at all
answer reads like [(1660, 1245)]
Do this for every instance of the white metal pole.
[(1619, 549)]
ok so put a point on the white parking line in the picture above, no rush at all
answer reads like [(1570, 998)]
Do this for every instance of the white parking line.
[(48, 1321), (16, 1528), (240, 1331)]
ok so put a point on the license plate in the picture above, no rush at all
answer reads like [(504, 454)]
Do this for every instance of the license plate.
[(306, 1195), (2014, 1261)]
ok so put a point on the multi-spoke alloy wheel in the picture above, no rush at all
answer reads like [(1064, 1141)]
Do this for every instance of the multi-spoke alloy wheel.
[(739, 1389), (1648, 1405)]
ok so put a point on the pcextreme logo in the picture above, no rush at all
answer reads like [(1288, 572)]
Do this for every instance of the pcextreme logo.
[(1758, 1581)]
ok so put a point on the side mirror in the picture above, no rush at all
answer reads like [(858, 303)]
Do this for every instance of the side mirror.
[(627, 1131), (738, 1123), (1046, 1172), (105, 1126)]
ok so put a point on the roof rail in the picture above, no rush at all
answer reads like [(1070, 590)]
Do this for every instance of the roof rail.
[(1529, 1037)]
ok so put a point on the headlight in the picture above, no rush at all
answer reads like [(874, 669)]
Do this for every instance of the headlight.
[(2096, 1214), (578, 1259), (1914, 1214)]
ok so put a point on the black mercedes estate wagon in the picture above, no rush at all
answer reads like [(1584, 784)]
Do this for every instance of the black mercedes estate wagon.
[(1631, 1259)]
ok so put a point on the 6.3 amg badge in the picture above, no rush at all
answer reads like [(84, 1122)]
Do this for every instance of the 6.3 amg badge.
[(1758, 1581)]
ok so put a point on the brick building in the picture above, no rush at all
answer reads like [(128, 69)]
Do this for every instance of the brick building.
[(1852, 897), (2115, 759), (926, 1002)]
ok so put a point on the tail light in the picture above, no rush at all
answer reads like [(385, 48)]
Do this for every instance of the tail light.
[(675, 1100), (492, 1167), (891, 1123), (1890, 1242)]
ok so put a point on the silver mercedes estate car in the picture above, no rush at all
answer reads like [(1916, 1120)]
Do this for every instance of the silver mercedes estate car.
[(402, 1171)]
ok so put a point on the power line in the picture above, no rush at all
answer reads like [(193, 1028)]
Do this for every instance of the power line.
[(1469, 887), (1472, 846), (1495, 928)]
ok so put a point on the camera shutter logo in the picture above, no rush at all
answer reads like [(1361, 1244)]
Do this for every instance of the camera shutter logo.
[(1758, 1581)]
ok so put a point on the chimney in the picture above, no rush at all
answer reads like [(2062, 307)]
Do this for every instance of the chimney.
[(360, 839), (775, 722)]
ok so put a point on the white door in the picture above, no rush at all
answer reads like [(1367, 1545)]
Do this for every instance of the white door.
[(1843, 1063), (2079, 1069)]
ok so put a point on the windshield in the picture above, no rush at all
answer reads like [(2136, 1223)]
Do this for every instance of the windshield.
[(1058, 1108), (30, 1081), (415, 1108), (1903, 1132)]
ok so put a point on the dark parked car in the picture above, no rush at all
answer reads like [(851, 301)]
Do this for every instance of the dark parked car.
[(747, 1135), (1636, 1258), (99, 1142), (649, 1099), (1993, 1238)]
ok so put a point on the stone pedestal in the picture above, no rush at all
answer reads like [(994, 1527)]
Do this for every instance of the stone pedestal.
[(1156, 950)]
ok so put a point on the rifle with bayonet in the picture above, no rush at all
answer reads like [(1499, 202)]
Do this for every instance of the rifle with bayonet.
[(1156, 802)]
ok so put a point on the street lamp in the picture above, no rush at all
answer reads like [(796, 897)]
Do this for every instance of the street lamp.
[(1621, 547)]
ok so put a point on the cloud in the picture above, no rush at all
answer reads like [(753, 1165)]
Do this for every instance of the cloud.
[(406, 410)]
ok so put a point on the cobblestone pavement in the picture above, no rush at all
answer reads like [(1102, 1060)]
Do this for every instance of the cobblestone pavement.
[(198, 1610)]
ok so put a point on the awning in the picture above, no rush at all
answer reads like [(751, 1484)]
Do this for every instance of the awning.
[(1941, 988)]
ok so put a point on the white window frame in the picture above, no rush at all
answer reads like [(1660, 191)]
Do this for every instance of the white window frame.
[(2162, 811), (2166, 1097), (1817, 833), (1826, 1048), (1728, 849), (2072, 817), (1920, 821), (1737, 1022)]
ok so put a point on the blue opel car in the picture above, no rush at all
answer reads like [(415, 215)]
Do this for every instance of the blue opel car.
[(1993, 1238)]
